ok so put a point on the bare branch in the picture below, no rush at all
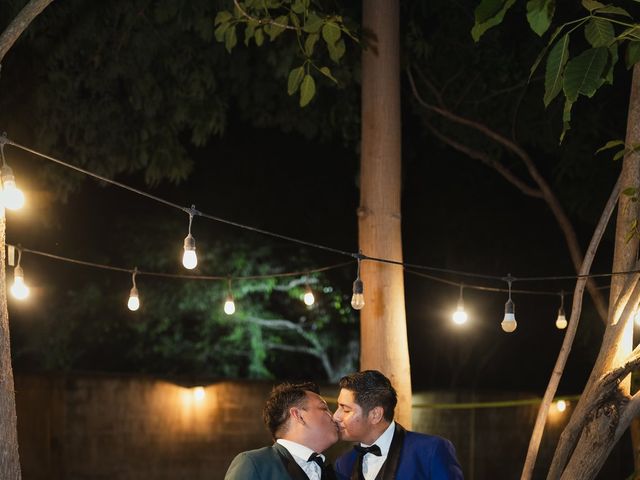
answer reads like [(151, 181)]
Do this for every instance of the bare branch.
[(488, 161), (262, 21), (30, 11), (563, 355)]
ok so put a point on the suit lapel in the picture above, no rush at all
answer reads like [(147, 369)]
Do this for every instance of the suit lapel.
[(290, 465), (390, 466)]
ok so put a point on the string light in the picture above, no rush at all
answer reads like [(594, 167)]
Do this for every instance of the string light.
[(357, 299), (561, 405), (19, 289), (509, 323), (229, 304), (308, 298), (134, 300), (460, 316), (189, 257), (11, 196), (561, 321)]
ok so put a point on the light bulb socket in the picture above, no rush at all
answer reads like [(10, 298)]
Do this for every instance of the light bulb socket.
[(134, 292), (358, 286), (189, 243), (509, 309), (6, 173), (18, 272)]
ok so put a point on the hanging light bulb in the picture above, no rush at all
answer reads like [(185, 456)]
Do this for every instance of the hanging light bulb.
[(189, 257), (19, 289), (561, 405), (509, 323), (11, 196), (561, 321), (229, 304), (308, 298), (357, 299), (134, 300), (460, 316)]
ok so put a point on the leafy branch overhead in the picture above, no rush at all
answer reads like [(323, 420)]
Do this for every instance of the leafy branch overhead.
[(607, 29), (263, 19)]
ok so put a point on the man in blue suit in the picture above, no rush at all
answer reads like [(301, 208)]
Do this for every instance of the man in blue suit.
[(302, 427), (385, 450)]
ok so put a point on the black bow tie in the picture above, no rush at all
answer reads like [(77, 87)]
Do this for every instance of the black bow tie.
[(373, 449), (315, 457)]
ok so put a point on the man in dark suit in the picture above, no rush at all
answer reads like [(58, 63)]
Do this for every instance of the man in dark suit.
[(302, 426), (385, 450)]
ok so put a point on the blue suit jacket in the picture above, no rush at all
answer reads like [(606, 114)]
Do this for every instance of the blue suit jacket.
[(415, 457)]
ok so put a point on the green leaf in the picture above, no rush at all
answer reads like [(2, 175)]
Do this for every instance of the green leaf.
[(310, 43), (619, 155), (613, 59), (337, 51), (583, 74), (295, 78), (613, 10), (250, 31), (632, 54), (230, 38), (556, 62), (331, 33), (566, 118), (279, 26), (539, 15), (220, 31), (592, 5), (259, 35), (298, 6), (630, 191), (599, 32), (222, 17), (610, 144), (307, 90), (489, 14), (313, 24), (327, 73), (544, 51)]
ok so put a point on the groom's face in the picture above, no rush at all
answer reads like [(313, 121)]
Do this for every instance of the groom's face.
[(352, 421)]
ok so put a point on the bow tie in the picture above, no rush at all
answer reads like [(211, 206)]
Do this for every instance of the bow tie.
[(315, 457), (373, 449)]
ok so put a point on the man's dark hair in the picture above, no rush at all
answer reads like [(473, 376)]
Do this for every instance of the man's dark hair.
[(284, 396), (371, 389)]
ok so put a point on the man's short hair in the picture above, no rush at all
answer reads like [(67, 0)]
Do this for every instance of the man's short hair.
[(284, 396), (372, 389)]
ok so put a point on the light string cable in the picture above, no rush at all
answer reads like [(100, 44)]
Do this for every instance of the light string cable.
[(148, 273), (192, 211)]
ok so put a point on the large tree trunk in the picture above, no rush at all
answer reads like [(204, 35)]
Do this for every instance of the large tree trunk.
[(383, 327), (9, 458), (606, 409)]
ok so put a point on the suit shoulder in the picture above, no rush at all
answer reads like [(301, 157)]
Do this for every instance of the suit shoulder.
[(248, 464), (425, 439)]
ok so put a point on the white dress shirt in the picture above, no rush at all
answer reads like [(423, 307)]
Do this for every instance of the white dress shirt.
[(301, 455), (371, 464)]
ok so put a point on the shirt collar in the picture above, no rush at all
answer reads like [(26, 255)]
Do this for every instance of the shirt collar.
[(296, 449), (384, 440)]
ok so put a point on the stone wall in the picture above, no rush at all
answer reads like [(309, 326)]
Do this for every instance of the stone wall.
[(133, 428)]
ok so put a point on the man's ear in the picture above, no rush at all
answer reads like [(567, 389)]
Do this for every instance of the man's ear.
[(376, 414), (296, 414)]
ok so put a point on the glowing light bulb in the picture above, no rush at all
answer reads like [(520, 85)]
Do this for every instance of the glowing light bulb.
[(460, 316), (509, 323), (561, 405), (357, 300), (134, 300), (189, 258), (561, 321), (308, 298), (198, 394), (229, 306), (11, 196), (19, 289)]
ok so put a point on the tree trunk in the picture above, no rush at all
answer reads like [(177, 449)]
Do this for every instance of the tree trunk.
[(599, 413), (9, 458), (383, 328)]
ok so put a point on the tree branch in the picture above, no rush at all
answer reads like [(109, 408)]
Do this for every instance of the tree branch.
[(261, 21), (563, 355), (19, 24)]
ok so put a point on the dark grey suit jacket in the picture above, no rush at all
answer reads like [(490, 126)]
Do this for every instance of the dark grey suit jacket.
[(269, 463)]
